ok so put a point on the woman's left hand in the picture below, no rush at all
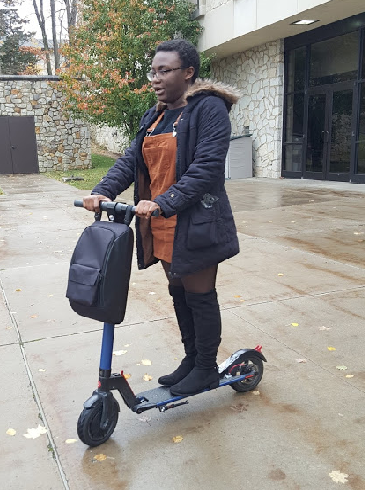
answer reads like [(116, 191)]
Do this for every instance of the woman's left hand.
[(144, 209)]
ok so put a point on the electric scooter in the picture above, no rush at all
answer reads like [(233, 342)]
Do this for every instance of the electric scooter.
[(242, 371)]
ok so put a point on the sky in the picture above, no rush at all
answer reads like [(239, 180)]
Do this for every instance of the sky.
[(26, 11)]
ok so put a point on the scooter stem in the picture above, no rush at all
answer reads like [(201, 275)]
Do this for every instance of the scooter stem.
[(106, 353)]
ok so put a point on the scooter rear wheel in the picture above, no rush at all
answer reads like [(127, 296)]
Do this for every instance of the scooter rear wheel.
[(88, 425), (252, 365)]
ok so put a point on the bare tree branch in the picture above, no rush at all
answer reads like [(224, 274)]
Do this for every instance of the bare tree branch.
[(39, 12)]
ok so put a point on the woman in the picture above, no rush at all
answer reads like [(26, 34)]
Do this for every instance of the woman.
[(177, 162)]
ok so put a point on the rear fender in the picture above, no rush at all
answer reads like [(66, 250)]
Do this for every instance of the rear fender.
[(239, 357)]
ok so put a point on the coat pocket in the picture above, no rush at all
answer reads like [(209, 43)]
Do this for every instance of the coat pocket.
[(83, 284), (202, 230)]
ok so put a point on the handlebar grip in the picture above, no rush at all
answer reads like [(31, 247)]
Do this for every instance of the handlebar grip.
[(107, 205)]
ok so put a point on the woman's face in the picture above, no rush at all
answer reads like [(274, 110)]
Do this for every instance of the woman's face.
[(171, 86)]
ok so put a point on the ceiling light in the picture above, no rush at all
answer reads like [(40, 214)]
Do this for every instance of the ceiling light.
[(304, 22)]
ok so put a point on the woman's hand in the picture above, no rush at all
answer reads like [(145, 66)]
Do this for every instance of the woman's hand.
[(144, 209), (91, 203)]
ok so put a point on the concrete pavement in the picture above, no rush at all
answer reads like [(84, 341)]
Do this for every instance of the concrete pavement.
[(297, 288)]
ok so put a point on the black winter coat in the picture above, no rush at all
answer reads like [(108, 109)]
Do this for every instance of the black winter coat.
[(205, 234)]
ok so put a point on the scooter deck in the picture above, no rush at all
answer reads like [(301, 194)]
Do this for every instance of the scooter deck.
[(161, 396)]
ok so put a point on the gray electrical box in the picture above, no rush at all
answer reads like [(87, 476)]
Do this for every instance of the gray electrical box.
[(239, 158)]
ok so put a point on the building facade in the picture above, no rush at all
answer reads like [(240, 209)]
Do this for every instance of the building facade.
[(300, 65)]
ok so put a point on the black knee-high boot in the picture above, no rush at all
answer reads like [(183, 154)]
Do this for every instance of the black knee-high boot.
[(186, 324), (207, 321)]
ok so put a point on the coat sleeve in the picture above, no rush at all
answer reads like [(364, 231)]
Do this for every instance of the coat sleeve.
[(120, 176), (213, 135)]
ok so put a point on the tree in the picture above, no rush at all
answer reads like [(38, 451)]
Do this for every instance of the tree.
[(15, 58), (39, 12), (104, 80)]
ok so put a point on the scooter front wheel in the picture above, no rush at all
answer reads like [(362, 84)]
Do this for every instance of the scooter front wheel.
[(88, 425), (254, 367)]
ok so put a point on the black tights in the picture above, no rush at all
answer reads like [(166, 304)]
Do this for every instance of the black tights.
[(200, 282)]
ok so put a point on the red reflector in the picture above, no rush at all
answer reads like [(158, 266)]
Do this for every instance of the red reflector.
[(99, 384), (258, 348), (122, 373)]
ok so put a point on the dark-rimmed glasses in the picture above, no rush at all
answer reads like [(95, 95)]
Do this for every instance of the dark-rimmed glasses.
[(160, 73)]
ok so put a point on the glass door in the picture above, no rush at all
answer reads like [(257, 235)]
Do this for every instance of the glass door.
[(330, 132)]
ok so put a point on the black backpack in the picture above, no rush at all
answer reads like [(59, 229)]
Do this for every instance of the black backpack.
[(100, 270)]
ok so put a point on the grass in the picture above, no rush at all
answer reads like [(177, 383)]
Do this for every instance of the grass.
[(100, 165)]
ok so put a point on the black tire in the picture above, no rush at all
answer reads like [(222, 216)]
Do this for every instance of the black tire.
[(251, 364), (88, 425)]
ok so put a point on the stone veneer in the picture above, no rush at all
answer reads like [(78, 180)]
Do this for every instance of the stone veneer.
[(259, 74), (63, 143)]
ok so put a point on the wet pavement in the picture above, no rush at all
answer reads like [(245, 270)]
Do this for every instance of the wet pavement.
[(297, 288)]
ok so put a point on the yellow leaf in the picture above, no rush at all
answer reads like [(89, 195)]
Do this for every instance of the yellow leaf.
[(177, 439), (146, 362), (237, 296), (18, 290), (341, 368), (127, 376), (295, 324), (100, 457), (34, 316), (331, 348), (338, 477), (349, 375), (256, 392), (147, 377), (70, 441), (35, 433), (280, 274), (11, 432)]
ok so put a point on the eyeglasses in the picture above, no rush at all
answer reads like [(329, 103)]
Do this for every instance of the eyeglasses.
[(160, 73)]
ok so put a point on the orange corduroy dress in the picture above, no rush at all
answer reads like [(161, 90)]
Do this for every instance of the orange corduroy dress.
[(159, 153)]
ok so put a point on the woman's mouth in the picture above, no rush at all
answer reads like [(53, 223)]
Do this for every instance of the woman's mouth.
[(159, 91)]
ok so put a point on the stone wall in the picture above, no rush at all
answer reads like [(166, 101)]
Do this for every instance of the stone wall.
[(259, 74), (63, 143), (110, 138)]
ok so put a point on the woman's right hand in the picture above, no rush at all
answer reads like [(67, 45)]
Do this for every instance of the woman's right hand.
[(91, 203)]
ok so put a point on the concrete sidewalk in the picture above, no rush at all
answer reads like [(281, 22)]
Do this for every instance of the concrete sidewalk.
[(297, 288)]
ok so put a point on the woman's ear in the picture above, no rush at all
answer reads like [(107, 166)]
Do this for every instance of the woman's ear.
[(189, 73)]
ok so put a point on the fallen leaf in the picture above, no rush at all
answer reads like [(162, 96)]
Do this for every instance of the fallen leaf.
[(349, 375), (127, 345), (177, 439), (331, 348), (35, 433), (256, 392), (18, 290), (151, 293), (237, 296), (146, 362), (100, 457), (119, 352), (341, 368), (323, 328), (127, 376), (295, 324), (70, 441), (42, 370), (147, 377), (338, 477), (50, 295), (358, 232), (280, 274), (145, 419), (34, 316), (301, 360), (11, 432)]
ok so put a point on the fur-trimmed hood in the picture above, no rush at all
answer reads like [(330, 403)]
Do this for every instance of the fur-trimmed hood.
[(229, 94)]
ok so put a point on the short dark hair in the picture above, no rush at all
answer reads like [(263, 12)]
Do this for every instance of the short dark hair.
[(187, 52)]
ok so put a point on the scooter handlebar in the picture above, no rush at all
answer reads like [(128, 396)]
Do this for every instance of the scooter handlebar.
[(117, 207)]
